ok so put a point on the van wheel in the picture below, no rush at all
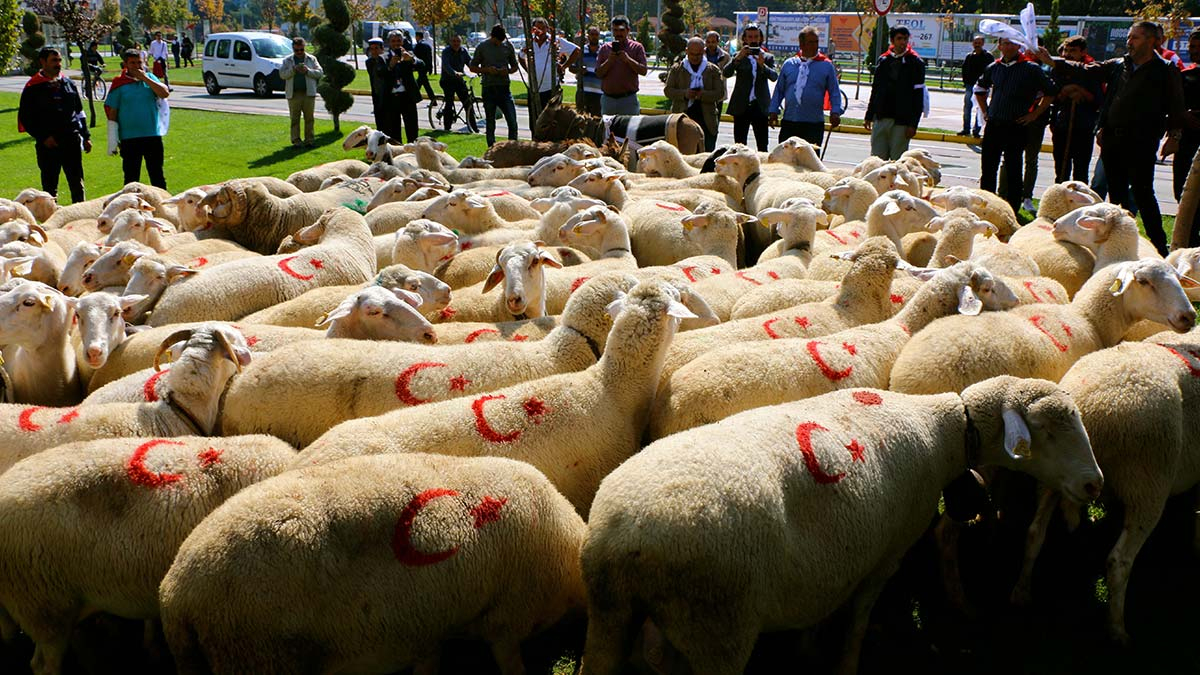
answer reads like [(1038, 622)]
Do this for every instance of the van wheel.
[(210, 84), (261, 88)]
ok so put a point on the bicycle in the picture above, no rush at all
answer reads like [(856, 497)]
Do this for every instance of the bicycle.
[(99, 86), (437, 114)]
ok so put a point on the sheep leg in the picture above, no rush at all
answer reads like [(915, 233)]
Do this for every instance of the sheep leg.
[(862, 603), (8, 627), (946, 535), (1140, 518), (507, 653), (1022, 593), (718, 648), (610, 634)]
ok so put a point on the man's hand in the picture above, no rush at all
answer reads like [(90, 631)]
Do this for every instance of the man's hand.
[(835, 120), (1170, 147), (909, 132), (762, 58), (87, 145), (867, 124), (773, 120), (1043, 55)]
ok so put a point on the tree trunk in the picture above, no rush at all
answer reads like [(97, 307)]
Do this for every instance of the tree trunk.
[(1185, 219)]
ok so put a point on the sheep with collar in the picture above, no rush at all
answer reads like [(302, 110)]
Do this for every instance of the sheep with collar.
[(1043, 340), (371, 378), (491, 533), (539, 421), (738, 377), (208, 357), (828, 493), (341, 253), (158, 490)]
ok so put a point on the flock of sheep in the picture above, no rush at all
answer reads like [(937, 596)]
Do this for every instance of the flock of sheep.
[(325, 423)]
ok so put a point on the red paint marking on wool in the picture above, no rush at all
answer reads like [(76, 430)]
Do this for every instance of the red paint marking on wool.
[(69, 416), (520, 338), (1194, 370), (1032, 293), (25, 421), (744, 277), (474, 335), (773, 275), (770, 331), (857, 451), (317, 264), (1045, 226), (447, 313), (836, 237), (867, 397), (535, 409), (209, 457), (283, 265), (1037, 320), (687, 272), (481, 424), (905, 328), (459, 383), (487, 510), (803, 322), (404, 380), (251, 340), (1067, 330), (670, 207), (850, 349), (1050, 293), (465, 245), (136, 469), (715, 270), (197, 262), (499, 193), (402, 546), (897, 299), (148, 392), (855, 234), (804, 438), (577, 283), (829, 373)]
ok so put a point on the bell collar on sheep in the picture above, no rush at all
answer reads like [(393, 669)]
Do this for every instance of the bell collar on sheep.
[(750, 179), (592, 345)]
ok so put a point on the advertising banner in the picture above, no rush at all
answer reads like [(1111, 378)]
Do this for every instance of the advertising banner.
[(847, 36), (783, 30), (924, 32)]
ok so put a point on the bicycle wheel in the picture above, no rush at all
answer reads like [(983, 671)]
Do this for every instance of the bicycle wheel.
[(99, 89), (432, 111), (845, 100)]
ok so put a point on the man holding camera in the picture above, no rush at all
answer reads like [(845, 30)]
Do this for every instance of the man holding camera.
[(496, 60), (754, 67), (300, 72), (696, 87), (400, 88), (619, 64)]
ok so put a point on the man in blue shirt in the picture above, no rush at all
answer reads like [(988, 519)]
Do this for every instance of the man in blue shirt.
[(803, 83), (137, 119)]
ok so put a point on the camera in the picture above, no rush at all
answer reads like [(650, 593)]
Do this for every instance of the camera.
[(754, 51), (617, 46)]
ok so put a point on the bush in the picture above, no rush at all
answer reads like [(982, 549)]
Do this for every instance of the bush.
[(329, 36), (33, 42)]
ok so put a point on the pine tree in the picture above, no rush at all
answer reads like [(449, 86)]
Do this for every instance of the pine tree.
[(33, 42), (330, 39)]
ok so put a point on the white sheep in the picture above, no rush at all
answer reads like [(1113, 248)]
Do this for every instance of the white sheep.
[(738, 377), (165, 487), (965, 236), (493, 530), (520, 266), (1065, 262), (23, 231), (12, 268), (14, 210), (47, 264), (661, 159), (92, 208), (1187, 262), (850, 198), (342, 253), (796, 222), (157, 234), (376, 313), (114, 266), (986, 205), (894, 176), (148, 278), (101, 327), (70, 280), (893, 215), (192, 215), (208, 357), (119, 204), (828, 494), (40, 203), (761, 190), (540, 421), (1043, 340), (35, 331), (309, 180), (371, 378), (1107, 230)]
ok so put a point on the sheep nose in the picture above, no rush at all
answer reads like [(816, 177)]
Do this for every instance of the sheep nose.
[(1185, 320), (515, 303), (87, 279), (429, 337), (66, 290), (1093, 489), (94, 354)]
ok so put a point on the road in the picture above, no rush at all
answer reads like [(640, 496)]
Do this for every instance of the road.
[(960, 162)]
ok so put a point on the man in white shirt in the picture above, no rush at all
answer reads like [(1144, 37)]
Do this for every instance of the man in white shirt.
[(545, 75), (158, 54), (300, 72)]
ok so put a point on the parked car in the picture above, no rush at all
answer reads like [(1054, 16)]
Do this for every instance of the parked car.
[(244, 60), (475, 39)]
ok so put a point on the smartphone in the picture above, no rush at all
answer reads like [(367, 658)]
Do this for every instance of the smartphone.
[(617, 46), (754, 51)]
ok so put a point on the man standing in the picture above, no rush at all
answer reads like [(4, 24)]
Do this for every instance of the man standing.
[(972, 68), (137, 119), (375, 65), (423, 51), (454, 65), (716, 56), (754, 67), (51, 112), (175, 48), (695, 87), (496, 60), (1143, 100), (1014, 84), (804, 81), (301, 93), (587, 84), (619, 64), (158, 57), (400, 88), (897, 98), (185, 51), (546, 69), (1074, 114), (1189, 143)]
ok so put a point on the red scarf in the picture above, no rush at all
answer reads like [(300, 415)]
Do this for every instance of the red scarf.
[(908, 51), (38, 78)]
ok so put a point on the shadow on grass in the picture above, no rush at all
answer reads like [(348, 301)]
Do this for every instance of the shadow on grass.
[(289, 151)]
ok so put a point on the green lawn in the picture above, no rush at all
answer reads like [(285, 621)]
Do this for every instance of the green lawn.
[(202, 147)]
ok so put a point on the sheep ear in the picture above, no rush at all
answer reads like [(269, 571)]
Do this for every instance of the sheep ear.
[(743, 218), (310, 234), (1188, 282), (548, 259), (1017, 440), (495, 277), (340, 312), (969, 304), (822, 220), (179, 272), (680, 311), (23, 265), (891, 209), (615, 307), (845, 256), (161, 225), (1124, 278), (922, 273), (935, 224), (128, 301), (990, 231), (409, 297), (131, 257)]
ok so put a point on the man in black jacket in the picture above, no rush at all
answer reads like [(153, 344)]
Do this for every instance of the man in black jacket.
[(972, 68), (375, 66), (424, 54), (897, 98), (400, 89), (1143, 100), (51, 112), (754, 67), (1189, 144)]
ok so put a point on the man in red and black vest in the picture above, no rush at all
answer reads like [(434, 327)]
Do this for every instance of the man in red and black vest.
[(52, 112)]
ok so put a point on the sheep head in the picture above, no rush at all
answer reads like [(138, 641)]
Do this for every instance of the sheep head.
[(113, 266), (227, 203), (1090, 226), (596, 183), (796, 220), (739, 162), (519, 266), (554, 170), (118, 204), (102, 325), (797, 152), (1152, 289), (148, 279), (434, 293), (378, 313), (24, 231), (192, 215), (40, 203), (1062, 198), (31, 311), (70, 281)]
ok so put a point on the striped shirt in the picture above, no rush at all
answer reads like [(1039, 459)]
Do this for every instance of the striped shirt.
[(1015, 86), (587, 75)]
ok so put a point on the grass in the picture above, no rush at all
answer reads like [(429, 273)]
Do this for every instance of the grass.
[(202, 147)]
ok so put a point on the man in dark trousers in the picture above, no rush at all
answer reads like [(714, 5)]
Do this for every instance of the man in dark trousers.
[(495, 59), (455, 58), (424, 53), (972, 68), (1074, 114), (897, 98), (51, 112), (376, 64), (1142, 101), (753, 67), (400, 89), (1014, 85)]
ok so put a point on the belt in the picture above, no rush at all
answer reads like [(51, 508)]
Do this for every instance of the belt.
[(625, 95)]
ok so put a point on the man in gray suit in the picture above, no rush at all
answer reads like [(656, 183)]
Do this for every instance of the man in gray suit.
[(753, 67)]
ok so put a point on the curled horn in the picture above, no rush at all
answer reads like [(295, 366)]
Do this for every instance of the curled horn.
[(229, 353), (166, 344), (37, 229)]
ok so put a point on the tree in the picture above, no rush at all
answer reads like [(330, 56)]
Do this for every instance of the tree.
[(670, 34), (296, 12), (330, 39), (213, 10), (11, 14), (109, 13), (393, 11), (33, 42), (434, 13), (1052, 36), (360, 10), (643, 31), (269, 10), (150, 13), (696, 14), (124, 35), (1170, 13)]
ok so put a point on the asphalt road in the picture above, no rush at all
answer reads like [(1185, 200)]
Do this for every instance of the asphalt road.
[(960, 162)]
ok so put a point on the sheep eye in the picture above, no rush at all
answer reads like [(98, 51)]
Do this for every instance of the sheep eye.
[(116, 314), (413, 285), (28, 302)]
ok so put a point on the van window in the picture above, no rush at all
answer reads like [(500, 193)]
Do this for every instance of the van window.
[(223, 49), (210, 48), (273, 47), (241, 50)]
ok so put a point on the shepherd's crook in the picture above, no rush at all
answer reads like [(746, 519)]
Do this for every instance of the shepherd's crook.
[(825, 146)]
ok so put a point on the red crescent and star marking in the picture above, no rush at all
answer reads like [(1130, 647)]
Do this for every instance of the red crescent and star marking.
[(459, 383), (25, 418), (804, 433), (577, 283), (519, 338), (285, 265), (535, 409), (829, 373), (1192, 352), (770, 331), (897, 299), (139, 474), (474, 335), (1032, 293), (1037, 320), (197, 262), (835, 237), (488, 510), (209, 457), (447, 313), (148, 391), (867, 398), (404, 380)]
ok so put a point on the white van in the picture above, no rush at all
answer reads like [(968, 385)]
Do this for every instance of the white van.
[(244, 60), (380, 29)]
